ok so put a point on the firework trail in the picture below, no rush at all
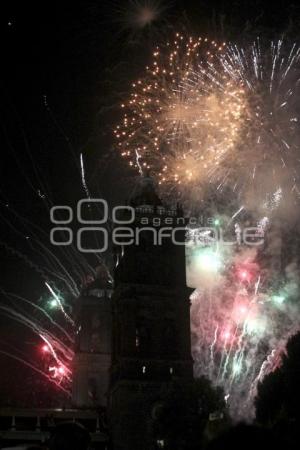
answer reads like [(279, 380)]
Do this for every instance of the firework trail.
[(38, 327), (266, 158), (19, 299), (57, 299), (83, 177), (36, 369), (59, 352), (63, 271)]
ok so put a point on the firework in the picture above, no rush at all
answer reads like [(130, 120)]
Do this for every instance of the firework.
[(139, 14), (183, 116), (266, 155), (219, 115), (242, 315)]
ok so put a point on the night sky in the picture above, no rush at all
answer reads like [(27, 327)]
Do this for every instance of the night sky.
[(65, 69)]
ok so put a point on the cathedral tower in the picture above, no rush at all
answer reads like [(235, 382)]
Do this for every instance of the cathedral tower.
[(151, 318)]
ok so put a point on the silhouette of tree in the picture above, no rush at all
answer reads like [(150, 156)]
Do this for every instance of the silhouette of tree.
[(269, 400), (182, 412), (244, 437)]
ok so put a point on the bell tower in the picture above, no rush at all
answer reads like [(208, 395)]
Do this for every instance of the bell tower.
[(151, 318), (92, 359)]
